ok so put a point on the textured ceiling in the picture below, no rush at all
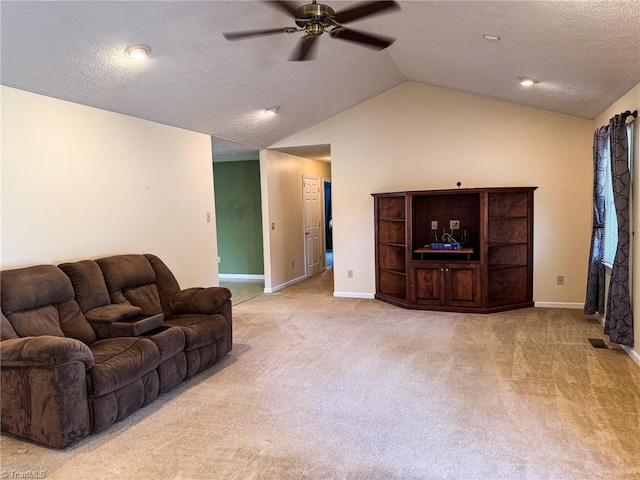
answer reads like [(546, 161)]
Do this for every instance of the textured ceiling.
[(585, 54), (226, 151)]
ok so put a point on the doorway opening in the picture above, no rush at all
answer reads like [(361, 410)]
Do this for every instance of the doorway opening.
[(328, 225), (238, 218)]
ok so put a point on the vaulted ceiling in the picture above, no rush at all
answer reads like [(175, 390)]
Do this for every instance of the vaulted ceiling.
[(585, 55)]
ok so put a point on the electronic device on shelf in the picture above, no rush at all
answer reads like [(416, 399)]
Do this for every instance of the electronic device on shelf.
[(443, 246), (446, 242)]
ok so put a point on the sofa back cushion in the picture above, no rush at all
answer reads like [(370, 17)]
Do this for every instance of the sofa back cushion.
[(131, 279), (165, 281), (7, 332), (88, 283), (40, 300)]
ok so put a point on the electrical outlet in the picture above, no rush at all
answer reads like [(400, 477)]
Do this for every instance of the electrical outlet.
[(218, 259), (349, 273), (273, 225), (293, 264), (208, 217), (559, 279), (434, 224), (454, 224)]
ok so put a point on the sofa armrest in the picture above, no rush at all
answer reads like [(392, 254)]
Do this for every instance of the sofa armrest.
[(121, 320), (43, 351), (112, 313), (200, 300), (44, 389)]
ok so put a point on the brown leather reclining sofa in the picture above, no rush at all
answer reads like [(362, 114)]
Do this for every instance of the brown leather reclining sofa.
[(85, 344)]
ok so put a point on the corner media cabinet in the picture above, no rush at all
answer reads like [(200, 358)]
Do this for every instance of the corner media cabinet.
[(490, 270)]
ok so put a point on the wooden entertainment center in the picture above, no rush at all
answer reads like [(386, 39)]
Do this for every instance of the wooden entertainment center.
[(492, 271)]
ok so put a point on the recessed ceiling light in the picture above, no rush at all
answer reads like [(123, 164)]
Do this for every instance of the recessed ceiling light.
[(138, 51), (491, 37), (527, 81), (272, 110)]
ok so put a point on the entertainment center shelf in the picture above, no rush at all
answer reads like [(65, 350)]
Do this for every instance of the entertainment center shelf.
[(492, 271)]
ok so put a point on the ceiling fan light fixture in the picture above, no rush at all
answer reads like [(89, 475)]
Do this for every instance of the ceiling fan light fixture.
[(527, 81), (272, 110), (138, 51)]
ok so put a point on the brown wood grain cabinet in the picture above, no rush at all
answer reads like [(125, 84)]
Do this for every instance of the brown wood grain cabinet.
[(454, 284), (493, 273), (391, 247)]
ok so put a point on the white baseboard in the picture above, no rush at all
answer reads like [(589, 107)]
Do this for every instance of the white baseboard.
[(577, 306), (630, 351), (284, 285), (368, 296), (246, 276)]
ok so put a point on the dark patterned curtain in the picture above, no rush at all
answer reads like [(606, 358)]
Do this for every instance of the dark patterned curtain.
[(595, 279), (619, 320)]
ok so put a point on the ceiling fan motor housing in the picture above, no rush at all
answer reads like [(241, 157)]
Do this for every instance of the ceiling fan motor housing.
[(312, 18)]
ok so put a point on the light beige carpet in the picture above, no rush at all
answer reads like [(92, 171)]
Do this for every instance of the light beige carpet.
[(243, 289), (331, 388)]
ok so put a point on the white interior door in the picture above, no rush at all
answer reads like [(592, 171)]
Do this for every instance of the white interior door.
[(312, 225)]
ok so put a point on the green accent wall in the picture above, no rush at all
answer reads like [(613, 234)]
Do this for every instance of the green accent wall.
[(239, 217)]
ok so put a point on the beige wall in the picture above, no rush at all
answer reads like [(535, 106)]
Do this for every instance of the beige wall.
[(630, 101), (78, 182), (415, 136), (281, 183)]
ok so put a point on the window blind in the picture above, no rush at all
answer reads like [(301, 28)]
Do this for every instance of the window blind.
[(610, 217)]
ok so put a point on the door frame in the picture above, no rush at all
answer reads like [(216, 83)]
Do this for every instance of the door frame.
[(326, 181), (320, 227)]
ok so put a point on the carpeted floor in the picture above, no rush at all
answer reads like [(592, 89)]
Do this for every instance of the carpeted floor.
[(332, 388), (243, 289)]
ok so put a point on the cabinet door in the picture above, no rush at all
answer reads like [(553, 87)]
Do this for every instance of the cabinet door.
[(428, 286), (462, 285)]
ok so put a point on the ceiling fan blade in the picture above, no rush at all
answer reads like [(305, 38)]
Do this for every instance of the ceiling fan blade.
[(305, 49), (257, 33), (289, 8), (364, 10), (365, 39)]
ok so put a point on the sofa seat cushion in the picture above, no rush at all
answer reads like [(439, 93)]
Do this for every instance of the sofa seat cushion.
[(120, 361), (199, 330)]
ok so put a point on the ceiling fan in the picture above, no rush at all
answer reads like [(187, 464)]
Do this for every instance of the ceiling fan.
[(316, 18)]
